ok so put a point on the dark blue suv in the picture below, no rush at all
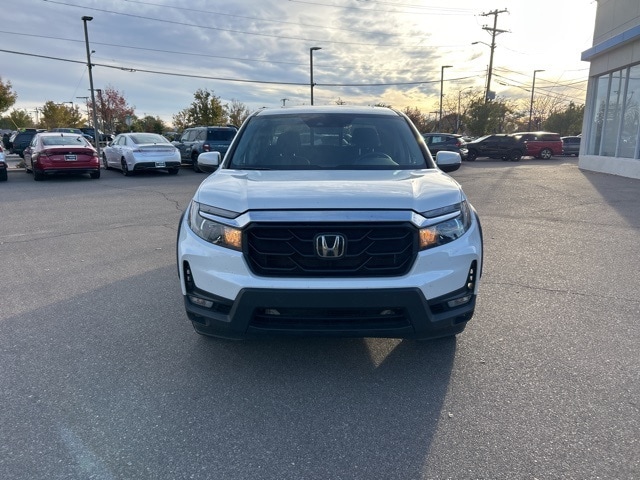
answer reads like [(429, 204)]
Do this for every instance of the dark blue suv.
[(196, 140)]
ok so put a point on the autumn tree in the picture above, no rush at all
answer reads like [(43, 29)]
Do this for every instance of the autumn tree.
[(7, 96), (60, 115), (418, 118), (111, 108), (455, 107), (237, 112)]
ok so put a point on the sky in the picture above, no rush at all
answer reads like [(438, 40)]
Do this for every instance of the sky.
[(158, 53)]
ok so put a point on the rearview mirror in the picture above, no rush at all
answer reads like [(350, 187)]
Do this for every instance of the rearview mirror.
[(209, 161)]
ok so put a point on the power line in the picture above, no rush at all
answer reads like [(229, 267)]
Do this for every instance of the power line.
[(225, 79)]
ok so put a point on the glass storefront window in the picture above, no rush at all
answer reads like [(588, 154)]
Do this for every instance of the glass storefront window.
[(613, 115), (599, 111), (631, 119), (615, 122)]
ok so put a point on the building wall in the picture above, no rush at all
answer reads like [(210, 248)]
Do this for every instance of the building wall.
[(611, 127)]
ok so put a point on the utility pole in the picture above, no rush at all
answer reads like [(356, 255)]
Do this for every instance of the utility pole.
[(494, 31)]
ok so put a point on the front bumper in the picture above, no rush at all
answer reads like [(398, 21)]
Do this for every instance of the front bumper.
[(394, 313), (224, 298)]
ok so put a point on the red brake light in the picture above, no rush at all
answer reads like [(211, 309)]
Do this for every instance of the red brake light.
[(206, 147)]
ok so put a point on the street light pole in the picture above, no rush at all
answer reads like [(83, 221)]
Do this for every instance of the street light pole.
[(441, 94), (96, 138), (311, 50), (533, 86)]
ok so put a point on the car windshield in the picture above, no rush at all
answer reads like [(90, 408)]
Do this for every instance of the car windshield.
[(141, 138), (59, 140), (327, 141)]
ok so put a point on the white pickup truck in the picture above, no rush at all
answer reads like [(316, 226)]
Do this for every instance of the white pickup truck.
[(329, 221)]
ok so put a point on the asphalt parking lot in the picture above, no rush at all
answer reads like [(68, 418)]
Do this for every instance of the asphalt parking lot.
[(102, 376)]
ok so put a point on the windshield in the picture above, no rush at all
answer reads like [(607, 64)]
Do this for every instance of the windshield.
[(327, 141)]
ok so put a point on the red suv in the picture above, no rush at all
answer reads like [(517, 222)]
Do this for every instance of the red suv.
[(540, 144)]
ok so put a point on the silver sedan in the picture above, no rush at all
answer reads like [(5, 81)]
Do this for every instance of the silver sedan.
[(136, 152)]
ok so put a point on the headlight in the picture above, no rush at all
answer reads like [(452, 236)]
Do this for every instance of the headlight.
[(448, 230), (212, 231)]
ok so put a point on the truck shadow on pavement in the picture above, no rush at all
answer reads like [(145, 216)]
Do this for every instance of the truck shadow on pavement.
[(114, 383)]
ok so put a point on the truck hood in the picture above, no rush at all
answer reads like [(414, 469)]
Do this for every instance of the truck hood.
[(243, 190)]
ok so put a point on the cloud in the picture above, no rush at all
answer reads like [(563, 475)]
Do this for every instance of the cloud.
[(159, 52)]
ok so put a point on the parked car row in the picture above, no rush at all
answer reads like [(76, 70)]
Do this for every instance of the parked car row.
[(514, 146), (542, 145)]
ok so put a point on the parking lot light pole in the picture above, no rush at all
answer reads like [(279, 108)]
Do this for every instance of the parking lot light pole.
[(96, 138), (311, 50), (533, 86), (441, 94)]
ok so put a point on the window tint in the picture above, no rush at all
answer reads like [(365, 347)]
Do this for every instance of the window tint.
[(221, 135)]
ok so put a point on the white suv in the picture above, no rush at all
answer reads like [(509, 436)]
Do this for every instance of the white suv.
[(329, 221)]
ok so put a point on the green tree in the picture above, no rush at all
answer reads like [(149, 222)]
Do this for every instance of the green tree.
[(7, 96), (20, 119), (488, 117), (206, 109), (57, 115), (567, 122), (237, 112), (180, 120), (149, 124)]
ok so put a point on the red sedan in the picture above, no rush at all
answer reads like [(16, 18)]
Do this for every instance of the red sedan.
[(51, 153)]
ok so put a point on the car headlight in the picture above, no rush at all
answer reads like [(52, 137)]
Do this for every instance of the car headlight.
[(457, 220), (212, 231)]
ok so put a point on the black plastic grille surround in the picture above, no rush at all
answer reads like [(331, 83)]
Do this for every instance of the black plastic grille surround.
[(371, 249)]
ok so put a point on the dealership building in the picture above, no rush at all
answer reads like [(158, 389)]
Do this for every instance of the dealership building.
[(611, 127)]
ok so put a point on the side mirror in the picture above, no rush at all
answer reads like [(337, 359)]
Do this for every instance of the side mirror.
[(209, 162), (448, 161)]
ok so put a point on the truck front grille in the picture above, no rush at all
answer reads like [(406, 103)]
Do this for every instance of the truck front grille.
[(370, 249)]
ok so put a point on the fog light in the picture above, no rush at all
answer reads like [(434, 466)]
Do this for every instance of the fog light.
[(456, 302), (201, 302)]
